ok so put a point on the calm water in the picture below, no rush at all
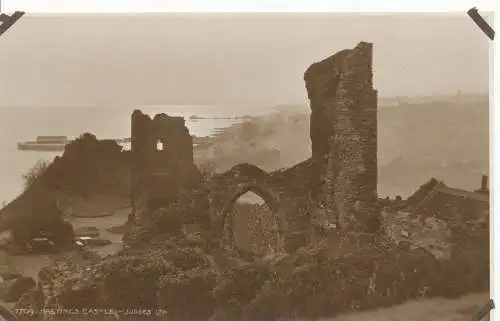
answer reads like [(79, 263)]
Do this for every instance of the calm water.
[(25, 123)]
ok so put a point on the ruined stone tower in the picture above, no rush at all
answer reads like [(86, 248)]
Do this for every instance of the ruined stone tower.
[(162, 160), (344, 135)]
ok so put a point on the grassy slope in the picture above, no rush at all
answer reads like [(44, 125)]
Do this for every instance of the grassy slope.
[(461, 309)]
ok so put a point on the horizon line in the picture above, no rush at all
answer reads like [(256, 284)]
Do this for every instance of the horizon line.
[(447, 95)]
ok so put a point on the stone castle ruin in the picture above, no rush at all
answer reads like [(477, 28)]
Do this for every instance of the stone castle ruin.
[(344, 135), (338, 182), (162, 162), (331, 194)]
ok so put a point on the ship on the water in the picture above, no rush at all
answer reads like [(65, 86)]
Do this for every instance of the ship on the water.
[(45, 143), (57, 143), (54, 143)]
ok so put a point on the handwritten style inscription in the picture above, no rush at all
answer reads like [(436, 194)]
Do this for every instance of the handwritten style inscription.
[(91, 311)]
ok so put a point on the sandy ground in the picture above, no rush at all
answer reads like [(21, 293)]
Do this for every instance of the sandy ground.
[(97, 205), (29, 265)]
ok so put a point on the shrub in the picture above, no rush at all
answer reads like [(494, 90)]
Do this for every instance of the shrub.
[(34, 172)]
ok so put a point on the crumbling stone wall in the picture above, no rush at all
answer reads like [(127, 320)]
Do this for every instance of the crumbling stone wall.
[(227, 187), (344, 135), (338, 184), (162, 163), (340, 177)]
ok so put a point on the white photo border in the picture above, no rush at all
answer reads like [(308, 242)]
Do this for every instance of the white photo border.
[(457, 6)]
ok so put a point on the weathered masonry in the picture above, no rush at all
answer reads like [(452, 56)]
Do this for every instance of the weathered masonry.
[(344, 135), (162, 160)]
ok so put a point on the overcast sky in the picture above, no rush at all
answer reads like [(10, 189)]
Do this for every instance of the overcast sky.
[(229, 59)]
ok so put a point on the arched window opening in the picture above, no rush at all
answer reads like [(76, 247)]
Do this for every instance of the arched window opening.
[(159, 145), (253, 225)]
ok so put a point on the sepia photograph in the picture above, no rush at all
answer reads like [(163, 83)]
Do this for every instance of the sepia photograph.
[(253, 167)]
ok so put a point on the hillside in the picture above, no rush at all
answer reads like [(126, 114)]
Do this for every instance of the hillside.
[(70, 183), (446, 141)]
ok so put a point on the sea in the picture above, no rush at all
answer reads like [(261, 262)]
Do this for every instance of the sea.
[(18, 124)]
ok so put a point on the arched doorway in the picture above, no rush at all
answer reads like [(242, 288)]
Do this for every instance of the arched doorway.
[(250, 221)]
